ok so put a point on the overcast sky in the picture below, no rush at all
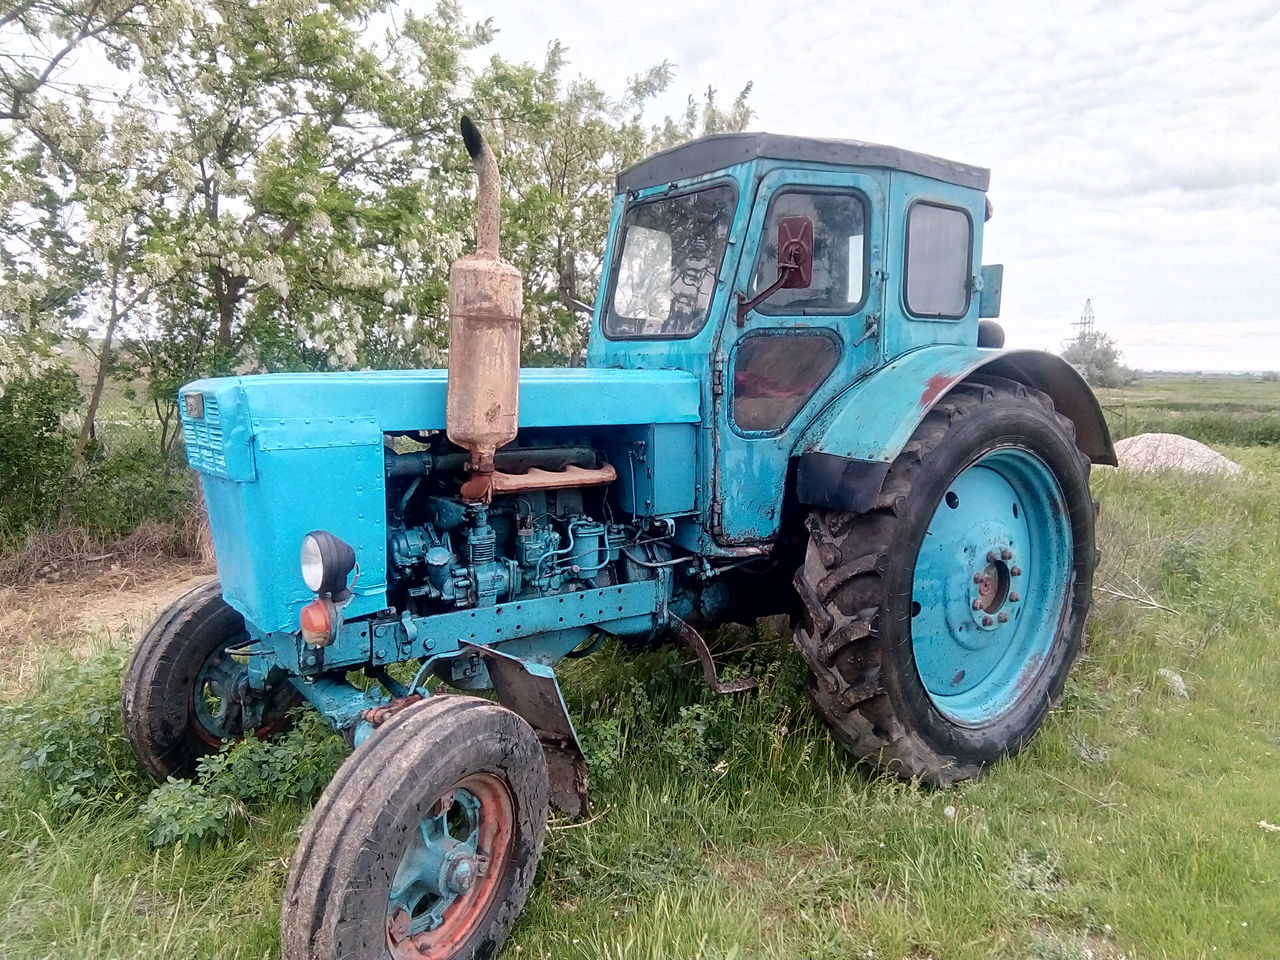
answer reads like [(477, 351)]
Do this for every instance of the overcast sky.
[(1134, 147)]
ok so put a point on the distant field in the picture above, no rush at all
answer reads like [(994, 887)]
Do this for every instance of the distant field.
[(1213, 410)]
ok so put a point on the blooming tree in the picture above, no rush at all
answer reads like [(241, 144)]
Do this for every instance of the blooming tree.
[(231, 185)]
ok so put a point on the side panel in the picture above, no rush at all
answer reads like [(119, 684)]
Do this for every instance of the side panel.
[(657, 469), (311, 481)]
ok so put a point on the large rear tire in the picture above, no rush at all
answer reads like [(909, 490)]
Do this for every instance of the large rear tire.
[(939, 627), (184, 695), (425, 844)]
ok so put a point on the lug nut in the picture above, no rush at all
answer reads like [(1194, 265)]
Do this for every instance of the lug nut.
[(1003, 618), (1006, 554), (991, 556), (1015, 571), (977, 578), (977, 604), (987, 621), (1014, 598)]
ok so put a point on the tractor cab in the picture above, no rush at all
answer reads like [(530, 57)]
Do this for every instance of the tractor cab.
[(780, 271)]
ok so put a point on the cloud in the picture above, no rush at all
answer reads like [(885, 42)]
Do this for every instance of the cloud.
[(1132, 144)]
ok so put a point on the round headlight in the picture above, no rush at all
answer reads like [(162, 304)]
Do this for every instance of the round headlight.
[(326, 562)]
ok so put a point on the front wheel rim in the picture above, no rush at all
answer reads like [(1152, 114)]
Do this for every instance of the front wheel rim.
[(450, 872), (991, 586), (221, 693)]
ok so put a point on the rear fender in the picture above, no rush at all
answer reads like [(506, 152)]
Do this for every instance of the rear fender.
[(845, 453)]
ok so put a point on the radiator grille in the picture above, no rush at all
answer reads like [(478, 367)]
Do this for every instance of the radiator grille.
[(204, 438)]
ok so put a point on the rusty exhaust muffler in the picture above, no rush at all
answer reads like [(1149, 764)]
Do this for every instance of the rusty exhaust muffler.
[(485, 306), (485, 303)]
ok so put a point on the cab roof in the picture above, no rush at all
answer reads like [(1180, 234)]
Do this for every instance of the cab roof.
[(721, 150)]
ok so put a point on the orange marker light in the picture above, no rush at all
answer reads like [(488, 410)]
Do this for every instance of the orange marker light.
[(317, 624)]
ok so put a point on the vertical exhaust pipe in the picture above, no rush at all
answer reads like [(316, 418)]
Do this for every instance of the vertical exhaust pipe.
[(488, 191), (485, 307)]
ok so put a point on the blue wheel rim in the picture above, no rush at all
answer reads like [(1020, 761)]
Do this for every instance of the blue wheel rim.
[(990, 586), (217, 686)]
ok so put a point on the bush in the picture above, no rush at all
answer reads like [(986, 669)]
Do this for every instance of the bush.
[(182, 811), (35, 448), (1097, 357), (113, 490), (297, 765), (121, 488), (65, 750), (65, 742), (662, 713)]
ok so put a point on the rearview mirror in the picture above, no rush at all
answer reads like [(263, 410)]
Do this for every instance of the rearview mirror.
[(795, 263), (795, 252)]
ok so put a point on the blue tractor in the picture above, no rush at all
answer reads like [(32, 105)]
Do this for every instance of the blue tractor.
[(790, 406)]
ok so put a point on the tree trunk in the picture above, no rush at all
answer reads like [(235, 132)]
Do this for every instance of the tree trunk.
[(224, 288), (104, 357)]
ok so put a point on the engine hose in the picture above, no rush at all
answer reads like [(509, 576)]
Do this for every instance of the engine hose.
[(653, 563)]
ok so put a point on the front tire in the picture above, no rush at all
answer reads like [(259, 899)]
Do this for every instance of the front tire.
[(184, 695), (425, 844), (939, 627)]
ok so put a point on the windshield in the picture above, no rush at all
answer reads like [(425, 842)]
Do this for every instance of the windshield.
[(671, 254)]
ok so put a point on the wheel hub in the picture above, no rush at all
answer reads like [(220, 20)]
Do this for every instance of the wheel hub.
[(449, 874), (458, 871), (992, 589)]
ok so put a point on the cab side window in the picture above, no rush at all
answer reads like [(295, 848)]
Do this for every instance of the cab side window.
[(839, 260), (939, 248)]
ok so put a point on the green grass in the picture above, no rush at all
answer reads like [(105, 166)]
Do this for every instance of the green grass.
[(732, 828), (1213, 410)]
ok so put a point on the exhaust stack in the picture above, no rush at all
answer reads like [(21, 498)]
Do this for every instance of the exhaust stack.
[(485, 307)]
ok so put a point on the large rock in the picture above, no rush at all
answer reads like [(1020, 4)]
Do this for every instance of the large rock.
[(1165, 452)]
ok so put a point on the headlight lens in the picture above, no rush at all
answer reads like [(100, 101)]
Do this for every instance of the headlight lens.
[(326, 563), (312, 564)]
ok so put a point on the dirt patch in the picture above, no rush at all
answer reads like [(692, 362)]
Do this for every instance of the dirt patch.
[(117, 604)]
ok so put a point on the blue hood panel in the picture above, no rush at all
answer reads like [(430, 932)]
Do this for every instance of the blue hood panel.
[(414, 399)]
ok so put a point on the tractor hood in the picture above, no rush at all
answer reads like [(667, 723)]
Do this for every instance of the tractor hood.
[(227, 421)]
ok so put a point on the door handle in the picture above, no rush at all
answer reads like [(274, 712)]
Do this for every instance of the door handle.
[(869, 330)]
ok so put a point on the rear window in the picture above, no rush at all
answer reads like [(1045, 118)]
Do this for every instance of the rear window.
[(939, 248)]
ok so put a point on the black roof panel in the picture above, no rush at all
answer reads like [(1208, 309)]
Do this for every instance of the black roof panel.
[(721, 150)]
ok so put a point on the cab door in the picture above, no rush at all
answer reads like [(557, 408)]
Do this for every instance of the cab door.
[(776, 366)]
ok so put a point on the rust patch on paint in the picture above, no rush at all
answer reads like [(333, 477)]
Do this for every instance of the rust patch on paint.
[(937, 385)]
